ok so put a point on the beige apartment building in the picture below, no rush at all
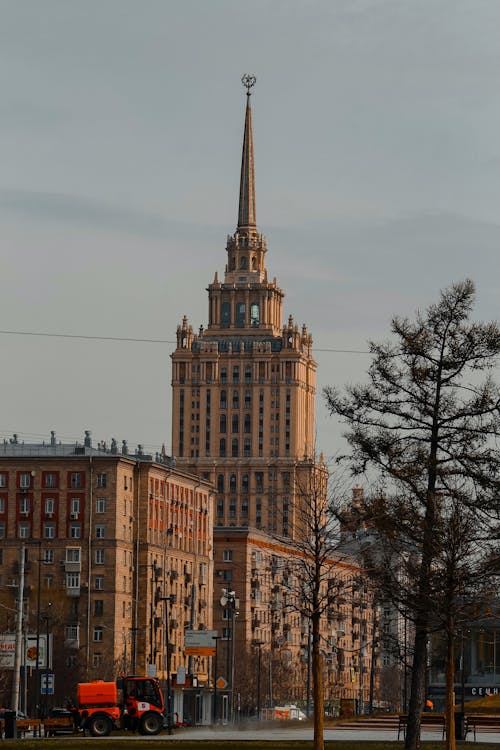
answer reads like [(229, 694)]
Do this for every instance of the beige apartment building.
[(243, 419), (118, 557)]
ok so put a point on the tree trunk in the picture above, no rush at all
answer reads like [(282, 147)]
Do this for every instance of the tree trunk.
[(450, 685), (317, 675), (417, 694)]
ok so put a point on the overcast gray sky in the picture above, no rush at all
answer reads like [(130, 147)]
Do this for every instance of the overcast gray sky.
[(376, 129)]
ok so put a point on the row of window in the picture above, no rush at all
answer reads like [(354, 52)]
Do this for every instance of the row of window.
[(50, 480), (49, 530), (49, 506)]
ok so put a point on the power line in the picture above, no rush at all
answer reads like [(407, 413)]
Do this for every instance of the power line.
[(142, 341)]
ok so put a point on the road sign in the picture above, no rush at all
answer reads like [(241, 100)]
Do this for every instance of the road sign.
[(200, 642), (221, 683), (47, 684)]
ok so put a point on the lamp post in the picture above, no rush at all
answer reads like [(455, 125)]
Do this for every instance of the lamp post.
[(47, 660), (214, 677), (258, 645), (166, 601), (229, 601)]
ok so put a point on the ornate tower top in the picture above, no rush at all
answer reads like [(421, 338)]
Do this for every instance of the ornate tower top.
[(246, 213)]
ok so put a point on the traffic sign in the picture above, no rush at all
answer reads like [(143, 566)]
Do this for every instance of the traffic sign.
[(47, 684)]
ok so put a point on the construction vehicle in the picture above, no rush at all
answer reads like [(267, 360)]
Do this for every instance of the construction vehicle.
[(98, 709)]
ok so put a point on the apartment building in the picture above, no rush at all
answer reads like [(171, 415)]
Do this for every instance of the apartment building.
[(117, 556)]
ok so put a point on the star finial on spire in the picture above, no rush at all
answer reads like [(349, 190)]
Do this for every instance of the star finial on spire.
[(248, 80)]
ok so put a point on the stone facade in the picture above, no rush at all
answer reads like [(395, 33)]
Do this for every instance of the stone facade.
[(109, 536)]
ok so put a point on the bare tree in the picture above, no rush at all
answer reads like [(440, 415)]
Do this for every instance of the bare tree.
[(320, 576), (426, 425)]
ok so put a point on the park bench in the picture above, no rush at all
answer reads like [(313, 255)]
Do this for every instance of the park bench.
[(481, 721), (54, 724), (23, 726), (435, 721)]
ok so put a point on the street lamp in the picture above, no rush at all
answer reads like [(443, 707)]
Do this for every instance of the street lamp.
[(229, 601), (166, 601), (214, 677), (258, 645), (46, 619)]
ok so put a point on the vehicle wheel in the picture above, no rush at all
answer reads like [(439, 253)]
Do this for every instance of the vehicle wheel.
[(151, 723), (99, 725)]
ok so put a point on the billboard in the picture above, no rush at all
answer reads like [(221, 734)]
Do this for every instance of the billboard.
[(28, 652)]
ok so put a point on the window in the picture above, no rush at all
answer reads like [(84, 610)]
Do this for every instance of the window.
[(227, 575), (49, 531), (75, 531), (97, 661), (99, 583), (75, 479), (25, 481), (248, 375), (2, 530), (50, 506), (24, 506), (220, 483), (232, 483), (232, 508), (227, 555), (236, 399), (220, 508), (234, 448), (73, 554), (2, 505), (48, 556), (248, 399), (24, 530), (98, 633), (100, 505), (72, 580), (254, 314), (3, 479), (71, 632), (244, 483), (222, 423), (223, 399), (98, 607), (75, 507), (100, 530), (240, 314), (236, 374), (222, 447), (223, 374), (235, 424), (99, 557), (48, 581), (50, 479), (226, 313), (247, 424), (247, 447), (102, 480), (244, 508)]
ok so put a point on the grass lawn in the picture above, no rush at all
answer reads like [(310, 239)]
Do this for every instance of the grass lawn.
[(68, 743)]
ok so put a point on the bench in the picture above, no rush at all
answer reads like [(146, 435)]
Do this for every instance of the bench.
[(52, 725), (435, 721), (23, 726), (481, 721)]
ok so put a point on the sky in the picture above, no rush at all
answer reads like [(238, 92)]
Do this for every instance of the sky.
[(377, 157)]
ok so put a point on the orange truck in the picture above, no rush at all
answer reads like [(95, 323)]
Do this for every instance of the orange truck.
[(99, 710)]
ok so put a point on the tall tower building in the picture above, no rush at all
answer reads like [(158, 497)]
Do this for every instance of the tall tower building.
[(244, 386)]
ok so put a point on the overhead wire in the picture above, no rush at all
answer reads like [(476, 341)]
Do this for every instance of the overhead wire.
[(133, 339)]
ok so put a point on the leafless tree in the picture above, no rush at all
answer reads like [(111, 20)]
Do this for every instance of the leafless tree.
[(425, 426)]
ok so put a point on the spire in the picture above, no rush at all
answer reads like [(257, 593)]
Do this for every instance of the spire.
[(246, 212)]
